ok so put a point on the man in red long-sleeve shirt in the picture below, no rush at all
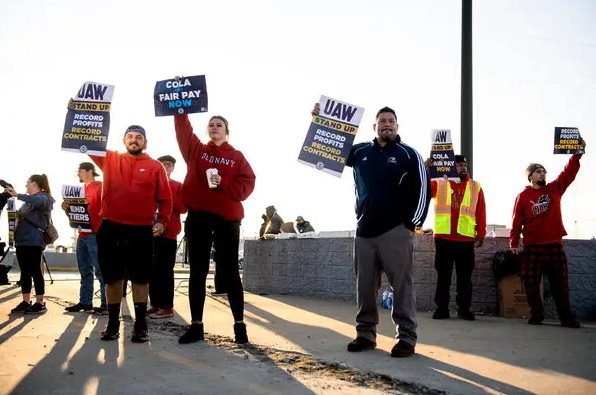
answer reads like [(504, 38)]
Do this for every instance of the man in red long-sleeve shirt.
[(161, 287), (460, 225), (537, 215), (87, 244), (134, 188)]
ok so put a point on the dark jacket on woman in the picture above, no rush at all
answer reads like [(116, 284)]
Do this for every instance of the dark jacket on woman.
[(37, 209)]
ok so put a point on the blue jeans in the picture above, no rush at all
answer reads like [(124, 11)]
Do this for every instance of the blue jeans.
[(88, 265)]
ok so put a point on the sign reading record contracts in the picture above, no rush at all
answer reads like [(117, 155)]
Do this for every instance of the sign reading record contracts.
[(330, 136), (88, 120), (568, 141)]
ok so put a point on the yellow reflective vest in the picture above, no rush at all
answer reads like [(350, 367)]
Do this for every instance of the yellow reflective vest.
[(466, 224)]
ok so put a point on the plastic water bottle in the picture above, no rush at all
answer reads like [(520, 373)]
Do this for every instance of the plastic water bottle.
[(387, 300)]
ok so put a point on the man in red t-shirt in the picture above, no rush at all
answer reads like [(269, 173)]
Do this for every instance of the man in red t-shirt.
[(537, 215), (161, 287), (87, 244), (135, 186)]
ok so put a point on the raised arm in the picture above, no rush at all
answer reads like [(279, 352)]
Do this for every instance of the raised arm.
[(188, 142)]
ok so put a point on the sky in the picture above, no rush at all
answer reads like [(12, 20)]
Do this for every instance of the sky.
[(267, 62)]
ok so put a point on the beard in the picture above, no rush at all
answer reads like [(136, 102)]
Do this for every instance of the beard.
[(463, 176), (134, 150), (541, 183)]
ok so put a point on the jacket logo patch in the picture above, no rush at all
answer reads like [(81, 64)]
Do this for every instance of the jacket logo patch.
[(363, 159), (392, 160), (541, 206), (141, 170)]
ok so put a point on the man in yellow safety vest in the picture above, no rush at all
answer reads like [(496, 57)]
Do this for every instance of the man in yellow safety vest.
[(460, 225)]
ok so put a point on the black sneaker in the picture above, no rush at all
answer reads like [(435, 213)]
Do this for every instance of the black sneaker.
[(193, 334), (361, 344), (79, 307), (21, 307), (402, 350), (111, 331), (571, 323), (466, 314), (37, 308), (240, 335), (140, 336), (535, 320), (441, 314)]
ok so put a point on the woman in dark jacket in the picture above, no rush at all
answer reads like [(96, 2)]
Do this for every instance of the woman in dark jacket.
[(32, 218)]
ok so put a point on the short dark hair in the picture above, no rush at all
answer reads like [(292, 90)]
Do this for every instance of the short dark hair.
[(167, 158), (386, 109)]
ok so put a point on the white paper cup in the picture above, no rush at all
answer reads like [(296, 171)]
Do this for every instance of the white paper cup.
[(209, 173)]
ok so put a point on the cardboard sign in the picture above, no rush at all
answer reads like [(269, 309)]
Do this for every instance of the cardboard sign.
[(568, 141), (183, 96), (78, 208), (331, 136), (441, 154), (87, 122), (11, 210)]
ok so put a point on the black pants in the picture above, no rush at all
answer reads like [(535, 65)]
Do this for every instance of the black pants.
[(448, 253), (29, 258), (202, 230), (551, 260), (219, 277), (161, 287)]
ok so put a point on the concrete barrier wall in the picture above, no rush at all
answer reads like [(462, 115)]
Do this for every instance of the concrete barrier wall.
[(322, 267)]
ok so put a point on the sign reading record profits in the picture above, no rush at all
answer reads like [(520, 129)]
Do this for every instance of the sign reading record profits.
[(331, 136), (87, 123)]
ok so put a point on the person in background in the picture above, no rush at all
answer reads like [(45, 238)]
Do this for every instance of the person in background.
[(161, 287), (537, 216), (274, 221), (392, 197), (135, 186), (33, 217), (214, 202), (460, 225), (263, 226), (303, 226), (87, 244)]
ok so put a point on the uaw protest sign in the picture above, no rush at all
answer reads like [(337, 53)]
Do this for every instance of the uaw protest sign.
[(331, 136), (87, 122)]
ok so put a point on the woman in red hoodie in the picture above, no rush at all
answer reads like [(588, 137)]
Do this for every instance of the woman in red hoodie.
[(214, 203)]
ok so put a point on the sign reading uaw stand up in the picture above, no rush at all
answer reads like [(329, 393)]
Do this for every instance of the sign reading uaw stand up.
[(441, 154), (331, 136), (87, 122), (183, 95)]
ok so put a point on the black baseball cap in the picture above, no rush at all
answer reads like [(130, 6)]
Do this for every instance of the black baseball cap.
[(89, 167)]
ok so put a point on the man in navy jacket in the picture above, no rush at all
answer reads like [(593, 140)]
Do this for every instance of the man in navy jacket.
[(392, 199)]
